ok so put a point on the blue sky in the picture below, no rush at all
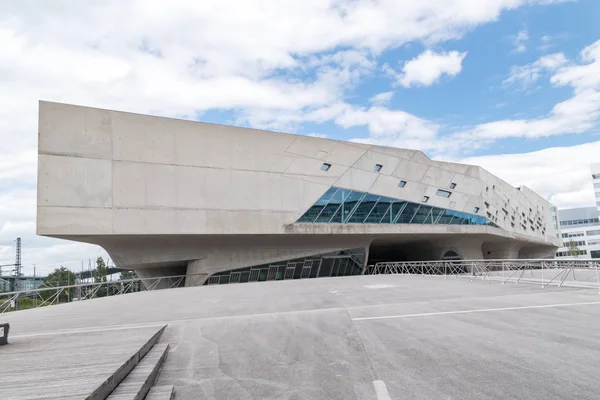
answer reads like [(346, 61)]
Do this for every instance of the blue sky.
[(511, 85)]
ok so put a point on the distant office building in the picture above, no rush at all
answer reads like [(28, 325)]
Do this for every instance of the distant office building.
[(581, 227), (555, 221), (596, 177), (7, 283)]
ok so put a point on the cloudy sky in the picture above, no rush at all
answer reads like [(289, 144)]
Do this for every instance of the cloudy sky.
[(511, 85)]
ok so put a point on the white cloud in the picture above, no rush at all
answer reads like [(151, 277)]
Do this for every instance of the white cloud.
[(526, 75), (520, 41), (547, 42), (271, 64), (428, 67), (390, 127), (317, 135), (559, 174), (382, 98), (578, 114)]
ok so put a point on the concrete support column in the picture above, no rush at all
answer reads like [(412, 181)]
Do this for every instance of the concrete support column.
[(196, 273), (468, 251), (147, 274)]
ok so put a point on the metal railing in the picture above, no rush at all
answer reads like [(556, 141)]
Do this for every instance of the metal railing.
[(48, 295), (575, 273)]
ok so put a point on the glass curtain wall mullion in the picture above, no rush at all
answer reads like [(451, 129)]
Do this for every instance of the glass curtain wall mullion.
[(363, 209), (356, 197), (334, 203), (401, 206), (387, 217), (422, 216), (437, 214), (337, 215), (456, 219), (415, 214), (374, 207), (313, 212), (378, 212), (407, 214), (429, 217)]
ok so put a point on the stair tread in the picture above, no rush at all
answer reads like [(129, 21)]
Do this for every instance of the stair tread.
[(163, 392), (137, 383)]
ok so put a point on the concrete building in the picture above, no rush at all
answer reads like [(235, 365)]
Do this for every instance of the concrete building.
[(581, 227), (227, 204)]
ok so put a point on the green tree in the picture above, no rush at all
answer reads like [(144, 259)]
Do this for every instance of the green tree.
[(59, 277), (127, 275), (100, 277), (573, 249)]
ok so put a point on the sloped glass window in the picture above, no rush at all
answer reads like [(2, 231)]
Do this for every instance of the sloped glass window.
[(397, 208), (350, 202), (422, 216), (364, 209), (408, 213), (331, 207), (315, 210), (354, 207), (436, 214), (459, 218), (379, 210), (446, 217)]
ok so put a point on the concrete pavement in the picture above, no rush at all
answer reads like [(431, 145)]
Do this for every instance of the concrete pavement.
[(415, 337)]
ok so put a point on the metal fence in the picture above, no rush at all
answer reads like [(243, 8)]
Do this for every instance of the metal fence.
[(575, 273), (48, 295)]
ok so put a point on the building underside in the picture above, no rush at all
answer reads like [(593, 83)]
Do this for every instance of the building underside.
[(224, 204), (205, 259)]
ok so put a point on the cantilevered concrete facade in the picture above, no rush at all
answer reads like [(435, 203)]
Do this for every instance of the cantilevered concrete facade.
[(166, 197)]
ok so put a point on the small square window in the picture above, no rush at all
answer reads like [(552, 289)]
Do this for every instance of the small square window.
[(453, 185), (443, 193), (425, 199), (377, 167), (475, 210), (325, 167), (402, 184)]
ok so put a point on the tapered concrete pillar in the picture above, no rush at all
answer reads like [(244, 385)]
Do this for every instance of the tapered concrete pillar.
[(169, 276), (197, 273)]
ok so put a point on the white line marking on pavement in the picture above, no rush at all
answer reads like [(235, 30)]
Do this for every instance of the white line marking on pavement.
[(380, 286), (475, 311), (381, 390)]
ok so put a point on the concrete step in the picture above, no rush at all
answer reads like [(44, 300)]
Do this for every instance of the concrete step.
[(108, 386), (163, 392), (139, 381)]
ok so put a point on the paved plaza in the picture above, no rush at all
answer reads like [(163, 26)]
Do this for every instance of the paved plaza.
[(363, 337)]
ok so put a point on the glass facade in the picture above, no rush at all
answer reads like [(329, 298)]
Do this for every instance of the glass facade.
[(344, 206), (339, 263)]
